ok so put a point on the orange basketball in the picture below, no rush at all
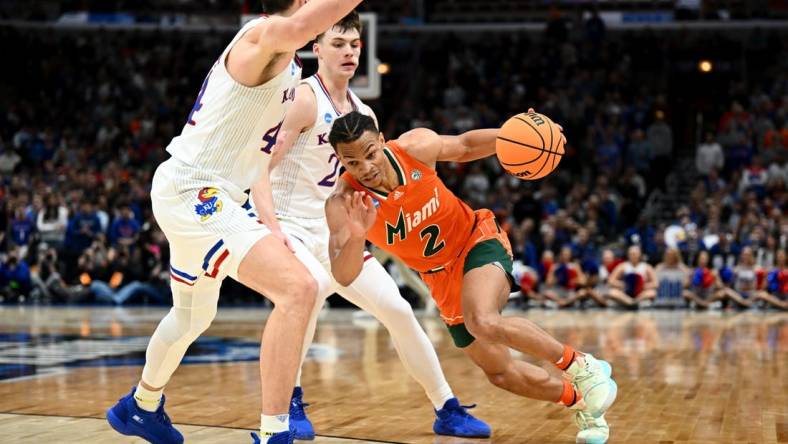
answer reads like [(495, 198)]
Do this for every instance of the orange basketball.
[(529, 146)]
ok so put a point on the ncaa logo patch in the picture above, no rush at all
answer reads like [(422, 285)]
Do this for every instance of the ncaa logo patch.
[(328, 118), (415, 175), (209, 203)]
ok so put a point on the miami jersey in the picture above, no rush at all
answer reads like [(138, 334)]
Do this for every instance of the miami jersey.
[(420, 221), (308, 173), (230, 131)]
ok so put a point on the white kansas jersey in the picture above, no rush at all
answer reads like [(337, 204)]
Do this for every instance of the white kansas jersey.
[(308, 173), (232, 128)]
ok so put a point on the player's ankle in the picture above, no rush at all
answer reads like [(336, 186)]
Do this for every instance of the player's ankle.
[(148, 400), (567, 358), (569, 395), (272, 424)]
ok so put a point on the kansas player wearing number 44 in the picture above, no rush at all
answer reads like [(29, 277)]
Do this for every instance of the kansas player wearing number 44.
[(306, 172), (198, 201)]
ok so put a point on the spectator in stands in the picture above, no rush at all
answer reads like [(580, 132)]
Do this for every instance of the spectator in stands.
[(633, 281), (476, 186), (754, 178), (775, 140), (9, 160), (608, 155), (125, 229), (14, 277), (83, 228), (639, 152), (778, 172), (53, 221), (673, 278), (124, 279), (741, 284), (704, 283), (598, 282), (563, 280), (660, 137), (713, 183), (48, 284), (22, 229), (709, 156), (776, 292), (725, 251)]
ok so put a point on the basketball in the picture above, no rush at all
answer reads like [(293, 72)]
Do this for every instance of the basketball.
[(529, 146)]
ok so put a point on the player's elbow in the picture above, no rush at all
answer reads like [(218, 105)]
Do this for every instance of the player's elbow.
[(286, 35), (301, 31), (343, 275)]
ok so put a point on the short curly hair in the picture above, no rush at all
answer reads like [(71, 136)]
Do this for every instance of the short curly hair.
[(348, 22)]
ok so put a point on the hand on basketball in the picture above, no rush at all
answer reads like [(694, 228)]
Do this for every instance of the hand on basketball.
[(361, 213), (560, 128)]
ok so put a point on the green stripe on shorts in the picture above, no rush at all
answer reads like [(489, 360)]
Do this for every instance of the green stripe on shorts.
[(488, 252), (460, 335)]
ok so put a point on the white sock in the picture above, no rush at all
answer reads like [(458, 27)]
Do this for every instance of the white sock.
[(147, 400), (270, 425), (439, 398)]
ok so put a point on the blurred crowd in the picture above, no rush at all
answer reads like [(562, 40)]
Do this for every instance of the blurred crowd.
[(86, 117)]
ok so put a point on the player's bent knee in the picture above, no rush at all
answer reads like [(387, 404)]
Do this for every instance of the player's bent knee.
[(504, 379), (499, 380), (299, 298), (484, 326)]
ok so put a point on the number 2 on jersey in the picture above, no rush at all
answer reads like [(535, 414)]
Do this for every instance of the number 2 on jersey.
[(330, 180), (433, 246)]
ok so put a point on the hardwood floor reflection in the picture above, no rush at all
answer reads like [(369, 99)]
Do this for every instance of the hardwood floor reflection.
[(683, 377)]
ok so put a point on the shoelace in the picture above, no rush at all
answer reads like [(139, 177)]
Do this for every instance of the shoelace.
[(584, 421), (463, 409), (297, 406), (583, 375)]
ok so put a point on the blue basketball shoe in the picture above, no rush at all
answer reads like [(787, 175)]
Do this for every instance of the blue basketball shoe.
[(454, 420), (300, 425), (128, 419), (276, 438)]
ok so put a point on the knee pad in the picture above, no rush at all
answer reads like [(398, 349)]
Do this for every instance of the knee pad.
[(192, 313)]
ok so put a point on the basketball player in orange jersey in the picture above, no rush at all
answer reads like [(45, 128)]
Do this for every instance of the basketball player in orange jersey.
[(392, 196), (304, 173)]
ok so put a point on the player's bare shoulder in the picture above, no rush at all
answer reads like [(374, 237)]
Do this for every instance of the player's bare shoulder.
[(422, 143), (253, 61), (304, 106)]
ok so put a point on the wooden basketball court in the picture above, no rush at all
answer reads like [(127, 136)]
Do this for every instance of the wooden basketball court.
[(683, 377)]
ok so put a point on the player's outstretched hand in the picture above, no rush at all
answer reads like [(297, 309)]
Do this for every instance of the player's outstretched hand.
[(560, 128), (361, 213)]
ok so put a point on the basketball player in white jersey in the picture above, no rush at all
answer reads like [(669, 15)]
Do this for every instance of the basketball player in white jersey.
[(198, 196), (303, 180)]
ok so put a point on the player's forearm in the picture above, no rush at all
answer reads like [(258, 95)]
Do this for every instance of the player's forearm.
[(478, 144), (317, 16), (264, 202), (347, 261)]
